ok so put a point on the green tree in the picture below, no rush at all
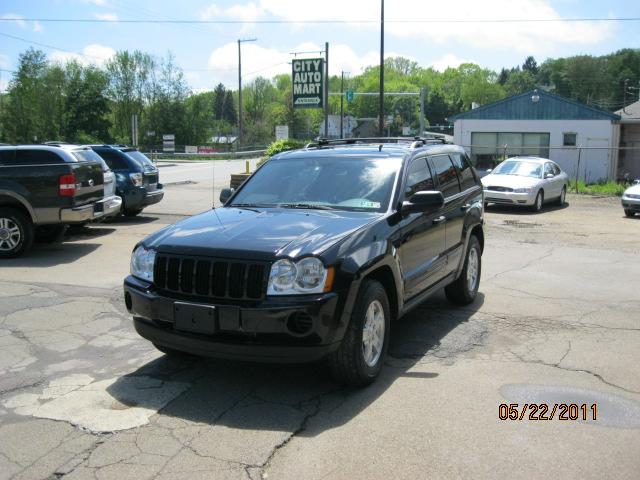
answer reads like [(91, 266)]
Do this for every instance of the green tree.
[(519, 81)]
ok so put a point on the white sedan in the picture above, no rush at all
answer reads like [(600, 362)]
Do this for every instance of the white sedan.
[(631, 199), (526, 181)]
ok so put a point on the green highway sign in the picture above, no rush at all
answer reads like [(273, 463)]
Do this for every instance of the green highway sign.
[(349, 95), (308, 82)]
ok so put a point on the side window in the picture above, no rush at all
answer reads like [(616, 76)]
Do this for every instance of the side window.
[(113, 159), (548, 168), (445, 171), (419, 177), (36, 157), (465, 172), (556, 169), (7, 157)]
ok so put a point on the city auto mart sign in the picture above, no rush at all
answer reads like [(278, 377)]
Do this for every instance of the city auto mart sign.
[(308, 83)]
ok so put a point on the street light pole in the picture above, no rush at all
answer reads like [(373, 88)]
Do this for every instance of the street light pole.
[(240, 87), (381, 105)]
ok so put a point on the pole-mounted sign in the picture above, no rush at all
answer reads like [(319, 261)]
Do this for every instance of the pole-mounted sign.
[(308, 83)]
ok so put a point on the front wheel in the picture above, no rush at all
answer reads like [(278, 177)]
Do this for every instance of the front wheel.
[(539, 202), (132, 212), (16, 233), (359, 359), (464, 290), (629, 213)]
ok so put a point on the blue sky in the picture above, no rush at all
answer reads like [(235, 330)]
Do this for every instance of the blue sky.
[(208, 53)]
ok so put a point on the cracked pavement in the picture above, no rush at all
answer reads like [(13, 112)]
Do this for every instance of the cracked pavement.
[(83, 397)]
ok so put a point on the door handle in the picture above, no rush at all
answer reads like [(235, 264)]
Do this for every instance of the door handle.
[(440, 219), (465, 207)]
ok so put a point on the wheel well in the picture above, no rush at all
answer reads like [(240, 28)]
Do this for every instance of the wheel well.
[(384, 275), (478, 231), (7, 201)]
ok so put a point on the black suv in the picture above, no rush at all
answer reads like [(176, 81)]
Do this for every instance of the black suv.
[(314, 256), (137, 179)]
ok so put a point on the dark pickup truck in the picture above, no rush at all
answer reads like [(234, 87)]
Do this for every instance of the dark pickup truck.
[(48, 187)]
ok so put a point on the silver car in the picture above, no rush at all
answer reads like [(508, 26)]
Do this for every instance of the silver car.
[(526, 181), (631, 199)]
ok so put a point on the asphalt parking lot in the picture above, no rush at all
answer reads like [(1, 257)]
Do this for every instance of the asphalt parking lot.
[(556, 321)]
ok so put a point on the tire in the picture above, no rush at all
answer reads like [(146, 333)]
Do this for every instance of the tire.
[(465, 289), (629, 213), (132, 213), (356, 363), (561, 198), (50, 233), (539, 202), (16, 233)]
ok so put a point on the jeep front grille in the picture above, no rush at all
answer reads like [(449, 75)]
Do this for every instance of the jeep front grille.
[(211, 277)]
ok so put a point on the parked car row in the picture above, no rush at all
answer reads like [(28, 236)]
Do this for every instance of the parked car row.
[(45, 188)]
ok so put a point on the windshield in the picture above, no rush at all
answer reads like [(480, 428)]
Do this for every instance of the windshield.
[(519, 168), (139, 157), (344, 183)]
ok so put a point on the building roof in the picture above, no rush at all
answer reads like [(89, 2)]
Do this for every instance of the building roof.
[(549, 107), (630, 113)]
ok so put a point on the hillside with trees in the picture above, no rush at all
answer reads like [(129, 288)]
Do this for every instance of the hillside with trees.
[(84, 103)]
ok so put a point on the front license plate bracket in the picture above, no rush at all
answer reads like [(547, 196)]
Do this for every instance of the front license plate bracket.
[(194, 318)]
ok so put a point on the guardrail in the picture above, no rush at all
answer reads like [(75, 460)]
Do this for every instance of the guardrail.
[(153, 155)]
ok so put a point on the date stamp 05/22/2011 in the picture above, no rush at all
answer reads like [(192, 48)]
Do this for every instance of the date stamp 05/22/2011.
[(546, 412)]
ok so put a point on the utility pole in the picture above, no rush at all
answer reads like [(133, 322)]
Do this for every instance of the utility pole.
[(240, 88), (341, 104), (326, 90), (381, 105)]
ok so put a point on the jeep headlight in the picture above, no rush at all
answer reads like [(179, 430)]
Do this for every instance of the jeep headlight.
[(142, 261), (308, 275)]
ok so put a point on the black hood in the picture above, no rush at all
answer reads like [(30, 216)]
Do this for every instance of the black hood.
[(259, 233)]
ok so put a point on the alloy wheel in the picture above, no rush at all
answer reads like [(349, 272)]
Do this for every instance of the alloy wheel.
[(373, 332), (10, 235), (472, 269)]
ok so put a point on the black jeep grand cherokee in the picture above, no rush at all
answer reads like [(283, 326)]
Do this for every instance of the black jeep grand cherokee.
[(314, 256)]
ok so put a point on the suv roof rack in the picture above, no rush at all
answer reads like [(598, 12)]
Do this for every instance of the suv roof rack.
[(414, 142)]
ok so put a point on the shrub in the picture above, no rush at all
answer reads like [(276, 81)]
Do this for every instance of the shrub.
[(280, 146), (612, 189)]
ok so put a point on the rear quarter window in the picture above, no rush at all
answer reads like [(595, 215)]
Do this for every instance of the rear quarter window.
[(36, 157), (115, 160)]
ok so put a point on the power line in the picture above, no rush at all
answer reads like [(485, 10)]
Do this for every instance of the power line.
[(328, 21), (48, 46)]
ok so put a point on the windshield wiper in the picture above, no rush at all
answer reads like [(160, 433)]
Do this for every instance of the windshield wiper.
[(312, 206)]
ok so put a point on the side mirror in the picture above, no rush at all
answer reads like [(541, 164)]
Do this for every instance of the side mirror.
[(225, 194), (549, 175), (425, 201)]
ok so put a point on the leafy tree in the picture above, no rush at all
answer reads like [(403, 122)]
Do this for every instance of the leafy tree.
[(530, 65), (219, 96), (229, 113), (519, 81)]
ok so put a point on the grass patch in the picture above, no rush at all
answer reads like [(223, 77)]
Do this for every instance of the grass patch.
[(611, 189)]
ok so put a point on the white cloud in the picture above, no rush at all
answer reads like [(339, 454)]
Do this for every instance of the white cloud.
[(21, 22), (533, 38), (448, 60), (4, 61), (109, 17), (100, 3), (212, 12), (91, 54), (267, 62), (247, 13)]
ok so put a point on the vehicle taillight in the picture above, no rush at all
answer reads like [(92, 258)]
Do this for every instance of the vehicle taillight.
[(67, 185), (136, 179)]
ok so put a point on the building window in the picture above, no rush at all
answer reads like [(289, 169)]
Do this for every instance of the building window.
[(569, 139), (490, 148)]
